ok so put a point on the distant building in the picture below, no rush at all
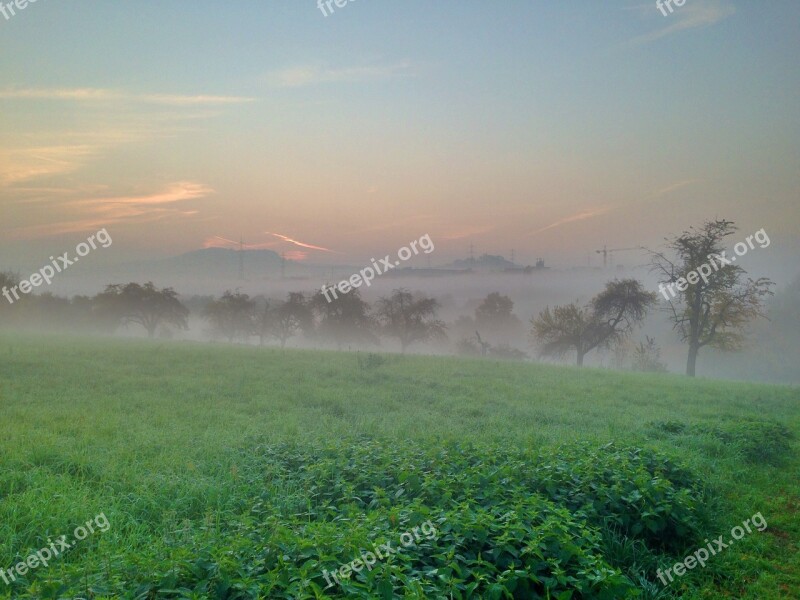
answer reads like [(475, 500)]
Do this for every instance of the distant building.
[(529, 269)]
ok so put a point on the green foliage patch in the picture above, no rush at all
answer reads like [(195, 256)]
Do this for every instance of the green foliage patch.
[(511, 523), (757, 441), (242, 473)]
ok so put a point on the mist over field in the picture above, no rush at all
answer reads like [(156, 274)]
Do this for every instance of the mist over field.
[(341, 299), (768, 355)]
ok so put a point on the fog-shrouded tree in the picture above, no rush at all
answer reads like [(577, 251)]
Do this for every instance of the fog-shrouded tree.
[(284, 320), (232, 316), (484, 346), (411, 320), (495, 315), (143, 305), (708, 298), (608, 318), (51, 313), (7, 281), (345, 319)]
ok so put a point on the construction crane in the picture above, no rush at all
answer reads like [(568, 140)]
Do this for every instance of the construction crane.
[(609, 253)]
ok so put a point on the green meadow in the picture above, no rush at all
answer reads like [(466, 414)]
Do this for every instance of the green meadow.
[(237, 472)]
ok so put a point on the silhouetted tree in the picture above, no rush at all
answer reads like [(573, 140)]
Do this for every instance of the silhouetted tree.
[(344, 319), (284, 320), (607, 319), (712, 301), (232, 316), (495, 315), (143, 305), (7, 281), (484, 346), (408, 319)]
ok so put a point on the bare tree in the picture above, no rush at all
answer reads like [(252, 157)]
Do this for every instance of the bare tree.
[(713, 301), (609, 318), (143, 305), (484, 346), (410, 320)]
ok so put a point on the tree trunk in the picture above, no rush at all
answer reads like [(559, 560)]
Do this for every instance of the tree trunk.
[(581, 354), (691, 362)]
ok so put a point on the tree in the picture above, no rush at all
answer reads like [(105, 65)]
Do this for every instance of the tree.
[(232, 316), (283, 320), (495, 313), (408, 319), (7, 281), (344, 319), (713, 301), (485, 346), (609, 318), (143, 305)]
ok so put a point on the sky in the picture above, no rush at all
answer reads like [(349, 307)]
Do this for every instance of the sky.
[(553, 128)]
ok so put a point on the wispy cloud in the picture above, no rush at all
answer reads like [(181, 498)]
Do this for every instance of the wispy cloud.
[(93, 213), (175, 192), (581, 216), (296, 255), (217, 241), (27, 156), (103, 95), (675, 186), (306, 75), (301, 244), (694, 14), (23, 164)]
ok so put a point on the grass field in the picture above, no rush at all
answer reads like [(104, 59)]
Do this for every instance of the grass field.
[(237, 472)]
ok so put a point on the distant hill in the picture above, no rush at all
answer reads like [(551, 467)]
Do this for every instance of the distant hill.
[(224, 262), (208, 263)]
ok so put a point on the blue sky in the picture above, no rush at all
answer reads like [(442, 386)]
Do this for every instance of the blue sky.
[(550, 127)]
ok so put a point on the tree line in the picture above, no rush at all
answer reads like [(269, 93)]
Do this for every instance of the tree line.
[(711, 312)]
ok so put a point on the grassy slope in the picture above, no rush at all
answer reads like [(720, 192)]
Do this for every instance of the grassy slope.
[(148, 433)]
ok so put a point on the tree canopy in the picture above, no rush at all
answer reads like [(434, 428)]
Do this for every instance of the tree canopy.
[(712, 299), (608, 318)]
